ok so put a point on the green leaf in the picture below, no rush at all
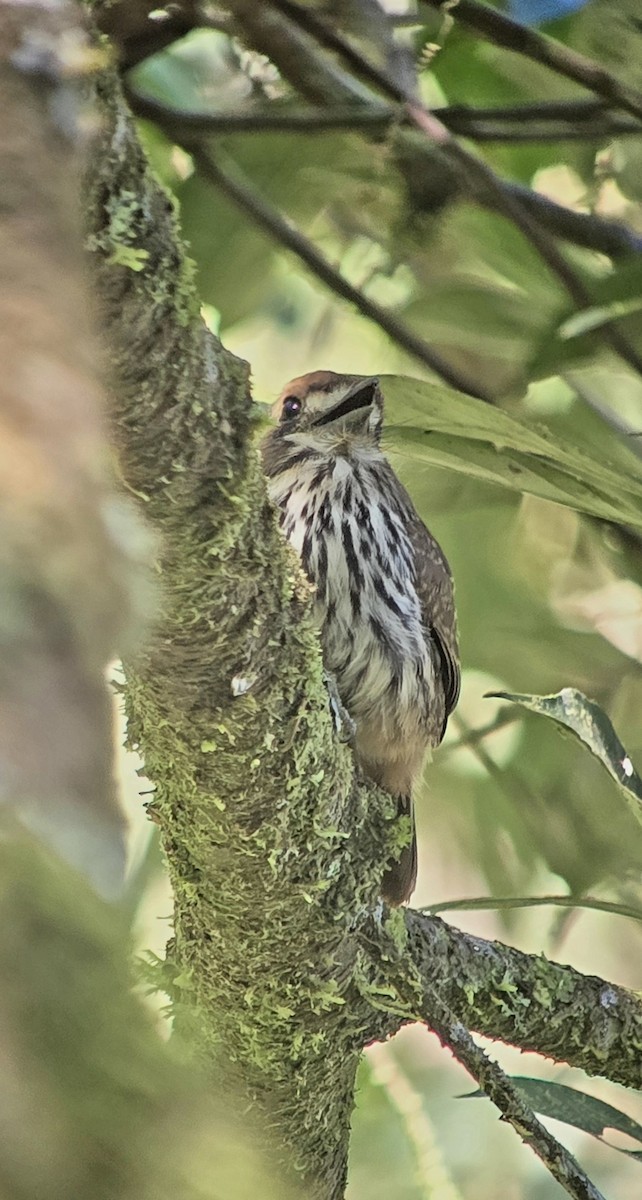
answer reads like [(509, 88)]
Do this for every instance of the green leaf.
[(434, 425), (593, 318), (576, 1108), (592, 726), (616, 297)]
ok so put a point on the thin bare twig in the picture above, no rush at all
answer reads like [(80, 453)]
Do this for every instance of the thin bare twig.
[(571, 111), (590, 396), (473, 736), (514, 134), (490, 903), (277, 227), (502, 31), (471, 168), (483, 125)]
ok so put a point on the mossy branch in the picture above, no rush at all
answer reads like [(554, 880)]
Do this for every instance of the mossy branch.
[(502, 993)]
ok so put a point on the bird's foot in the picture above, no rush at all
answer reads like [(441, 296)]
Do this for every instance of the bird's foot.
[(344, 726)]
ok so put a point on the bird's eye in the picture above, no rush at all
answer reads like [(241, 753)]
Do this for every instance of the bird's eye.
[(291, 408)]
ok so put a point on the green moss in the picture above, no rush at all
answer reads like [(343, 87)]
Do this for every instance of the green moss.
[(470, 992), (395, 929), (128, 256)]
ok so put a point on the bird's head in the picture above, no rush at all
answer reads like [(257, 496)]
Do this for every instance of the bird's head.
[(322, 410)]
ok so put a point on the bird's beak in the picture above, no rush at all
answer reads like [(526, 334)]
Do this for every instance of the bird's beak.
[(355, 407)]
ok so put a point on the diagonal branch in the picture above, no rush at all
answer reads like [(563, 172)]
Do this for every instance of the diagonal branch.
[(499, 1088), (510, 205), (268, 219), (612, 238), (407, 984)]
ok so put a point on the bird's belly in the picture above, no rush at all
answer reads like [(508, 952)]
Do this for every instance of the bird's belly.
[(356, 550), (379, 661)]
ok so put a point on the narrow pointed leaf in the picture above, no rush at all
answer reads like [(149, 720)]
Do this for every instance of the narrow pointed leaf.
[(577, 1108), (592, 318), (437, 426), (590, 723)]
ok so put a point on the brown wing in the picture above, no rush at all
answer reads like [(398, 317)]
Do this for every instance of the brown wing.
[(435, 589)]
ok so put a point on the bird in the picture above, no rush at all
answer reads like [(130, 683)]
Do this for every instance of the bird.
[(383, 589)]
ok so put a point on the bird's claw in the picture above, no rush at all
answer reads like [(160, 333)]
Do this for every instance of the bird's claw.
[(344, 726)]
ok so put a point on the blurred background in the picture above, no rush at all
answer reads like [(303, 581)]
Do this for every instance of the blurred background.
[(547, 598)]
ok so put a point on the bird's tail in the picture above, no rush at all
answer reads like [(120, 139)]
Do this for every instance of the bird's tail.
[(400, 878)]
